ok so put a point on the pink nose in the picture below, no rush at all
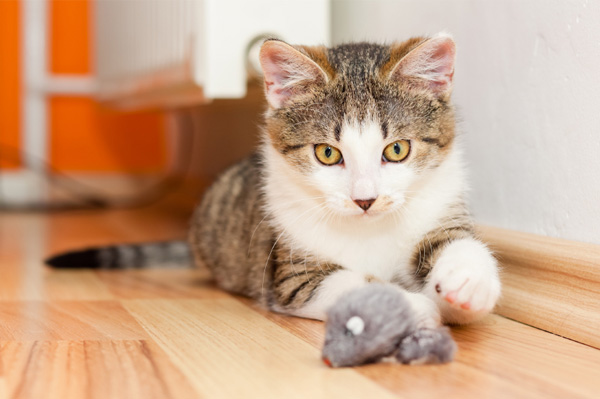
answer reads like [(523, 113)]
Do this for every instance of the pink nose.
[(365, 204)]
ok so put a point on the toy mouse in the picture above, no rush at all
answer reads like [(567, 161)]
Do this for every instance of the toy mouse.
[(376, 321)]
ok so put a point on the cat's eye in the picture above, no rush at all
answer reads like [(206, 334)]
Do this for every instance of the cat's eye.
[(328, 155), (397, 151)]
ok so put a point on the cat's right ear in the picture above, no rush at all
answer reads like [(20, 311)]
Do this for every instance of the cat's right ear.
[(288, 73)]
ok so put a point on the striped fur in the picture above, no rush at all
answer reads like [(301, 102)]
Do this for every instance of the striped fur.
[(456, 225), (126, 256), (294, 279), (229, 233), (234, 238), (284, 229), (264, 229)]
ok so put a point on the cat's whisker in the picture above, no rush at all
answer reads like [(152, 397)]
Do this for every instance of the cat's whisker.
[(277, 240), (314, 231), (254, 232), (317, 225), (268, 213), (403, 210), (292, 259)]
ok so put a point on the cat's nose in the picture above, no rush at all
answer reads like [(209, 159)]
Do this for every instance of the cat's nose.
[(365, 204)]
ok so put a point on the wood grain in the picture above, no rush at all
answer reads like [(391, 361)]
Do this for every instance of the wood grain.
[(79, 334), (80, 320), (505, 358), (237, 353), (157, 283), (549, 283), (91, 369)]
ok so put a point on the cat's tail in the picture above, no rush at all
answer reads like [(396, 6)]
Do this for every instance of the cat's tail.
[(126, 256)]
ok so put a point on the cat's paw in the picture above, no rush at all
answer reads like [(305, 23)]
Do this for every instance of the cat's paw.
[(465, 281)]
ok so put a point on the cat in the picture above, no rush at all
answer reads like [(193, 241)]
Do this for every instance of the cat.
[(359, 178)]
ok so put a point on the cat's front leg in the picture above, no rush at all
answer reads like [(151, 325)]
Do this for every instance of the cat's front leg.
[(310, 292), (464, 281), (307, 288), (304, 285), (321, 292)]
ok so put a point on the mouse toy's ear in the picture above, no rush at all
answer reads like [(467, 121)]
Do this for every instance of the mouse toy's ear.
[(430, 65), (355, 325), (288, 73)]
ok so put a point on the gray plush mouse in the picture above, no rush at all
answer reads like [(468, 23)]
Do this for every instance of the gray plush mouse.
[(376, 321)]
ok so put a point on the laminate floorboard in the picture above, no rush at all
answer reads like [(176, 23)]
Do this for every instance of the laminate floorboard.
[(170, 333)]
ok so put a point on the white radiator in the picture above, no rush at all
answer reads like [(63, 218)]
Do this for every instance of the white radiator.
[(181, 52)]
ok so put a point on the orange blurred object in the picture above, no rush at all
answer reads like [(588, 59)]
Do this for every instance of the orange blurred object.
[(83, 135), (9, 84), (86, 137)]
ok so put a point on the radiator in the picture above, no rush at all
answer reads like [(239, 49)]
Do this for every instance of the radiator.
[(180, 52)]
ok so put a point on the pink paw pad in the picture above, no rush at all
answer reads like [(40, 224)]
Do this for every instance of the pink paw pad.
[(451, 296)]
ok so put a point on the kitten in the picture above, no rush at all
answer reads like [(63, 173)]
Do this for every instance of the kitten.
[(359, 178)]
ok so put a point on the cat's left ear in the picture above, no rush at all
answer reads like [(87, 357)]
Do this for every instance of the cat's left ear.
[(288, 73), (430, 65)]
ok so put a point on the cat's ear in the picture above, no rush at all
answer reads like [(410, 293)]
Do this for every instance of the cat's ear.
[(288, 72), (430, 65)]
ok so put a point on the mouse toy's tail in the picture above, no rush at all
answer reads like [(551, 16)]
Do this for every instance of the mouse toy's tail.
[(126, 256)]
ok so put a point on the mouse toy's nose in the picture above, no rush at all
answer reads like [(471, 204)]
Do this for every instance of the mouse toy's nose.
[(326, 361)]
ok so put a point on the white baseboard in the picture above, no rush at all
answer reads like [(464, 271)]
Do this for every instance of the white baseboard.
[(22, 186)]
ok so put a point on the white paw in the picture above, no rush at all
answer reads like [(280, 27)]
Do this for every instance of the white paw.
[(465, 281)]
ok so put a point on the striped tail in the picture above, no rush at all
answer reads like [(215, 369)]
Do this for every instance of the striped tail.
[(126, 256)]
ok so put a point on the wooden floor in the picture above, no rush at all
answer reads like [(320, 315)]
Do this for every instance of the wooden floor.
[(172, 334)]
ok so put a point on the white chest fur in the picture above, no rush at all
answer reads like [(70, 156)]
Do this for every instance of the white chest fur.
[(381, 246)]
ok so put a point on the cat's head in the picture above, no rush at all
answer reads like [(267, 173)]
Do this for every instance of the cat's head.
[(357, 125)]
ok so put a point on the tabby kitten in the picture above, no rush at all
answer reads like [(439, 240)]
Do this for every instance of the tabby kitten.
[(359, 178)]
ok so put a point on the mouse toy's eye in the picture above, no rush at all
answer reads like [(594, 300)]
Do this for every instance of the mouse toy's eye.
[(355, 326), (328, 155), (396, 152)]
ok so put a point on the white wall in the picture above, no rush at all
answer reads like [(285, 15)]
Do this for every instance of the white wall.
[(527, 86)]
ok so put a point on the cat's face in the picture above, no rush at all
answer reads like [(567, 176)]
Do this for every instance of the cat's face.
[(360, 124)]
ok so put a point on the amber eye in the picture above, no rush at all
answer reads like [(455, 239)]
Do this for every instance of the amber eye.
[(397, 151), (328, 155)]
